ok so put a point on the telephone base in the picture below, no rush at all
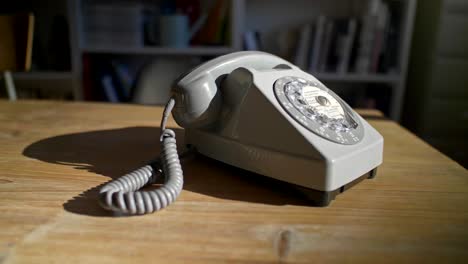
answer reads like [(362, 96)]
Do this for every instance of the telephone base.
[(312, 196), (323, 198)]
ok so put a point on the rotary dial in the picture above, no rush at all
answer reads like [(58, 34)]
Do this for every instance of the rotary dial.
[(318, 109)]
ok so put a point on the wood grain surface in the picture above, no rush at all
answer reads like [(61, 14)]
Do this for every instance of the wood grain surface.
[(55, 155)]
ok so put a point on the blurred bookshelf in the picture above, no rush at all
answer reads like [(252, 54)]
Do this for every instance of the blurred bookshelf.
[(96, 35), (357, 48)]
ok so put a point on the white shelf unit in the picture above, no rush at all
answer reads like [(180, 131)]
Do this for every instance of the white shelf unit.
[(355, 77), (57, 81), (42, 75), (261, 15), (195, 51)]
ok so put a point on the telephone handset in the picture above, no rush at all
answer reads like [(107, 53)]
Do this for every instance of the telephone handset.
[(258, 112)]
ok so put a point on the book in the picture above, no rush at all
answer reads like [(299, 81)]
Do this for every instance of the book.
[(314, 52), (338, 39), (224, 26), (389, 60), (123, 79), (211, 32), (301, 55), (380, 37), (286, 43), (109, 89), (367, 37), (355, 47), (347, 46), (29, 41), (327, 41), (87, 78), (197, 25), (251, 40), (118, 24)]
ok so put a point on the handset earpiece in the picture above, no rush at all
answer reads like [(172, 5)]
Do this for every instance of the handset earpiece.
[(198, 101)]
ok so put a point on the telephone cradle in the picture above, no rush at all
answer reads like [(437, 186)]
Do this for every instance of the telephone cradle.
[(258, 112)]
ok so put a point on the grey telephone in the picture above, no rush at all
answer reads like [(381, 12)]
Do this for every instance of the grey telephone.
[(256, 111)]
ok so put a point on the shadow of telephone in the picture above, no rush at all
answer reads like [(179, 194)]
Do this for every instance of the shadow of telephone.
[(258, 112)]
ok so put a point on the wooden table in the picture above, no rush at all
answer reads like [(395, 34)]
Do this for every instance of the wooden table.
[(55, 155)]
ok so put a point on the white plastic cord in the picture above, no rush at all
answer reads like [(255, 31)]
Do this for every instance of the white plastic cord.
[(123, 194)]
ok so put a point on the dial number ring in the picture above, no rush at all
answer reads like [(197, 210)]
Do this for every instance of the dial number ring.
[(318, 109)]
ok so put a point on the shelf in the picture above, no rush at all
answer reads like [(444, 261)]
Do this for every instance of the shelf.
[(148, 50), (43, 80), (46, 75), (355, 77)]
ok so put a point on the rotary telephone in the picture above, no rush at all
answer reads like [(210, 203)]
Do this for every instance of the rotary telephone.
[(256, 111)]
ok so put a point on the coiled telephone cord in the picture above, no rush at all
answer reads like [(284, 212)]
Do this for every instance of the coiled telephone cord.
[(123, 195)]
